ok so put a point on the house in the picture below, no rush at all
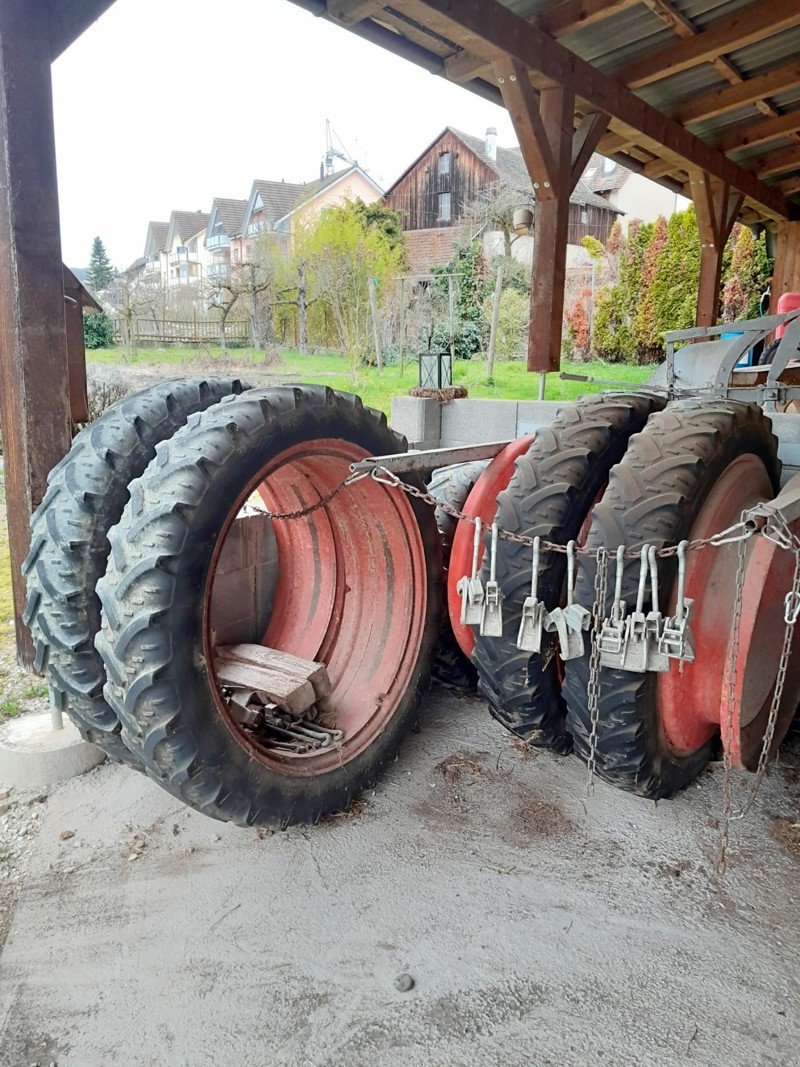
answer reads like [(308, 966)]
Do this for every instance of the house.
[(280, 207), (633, 194), (187, 257), (155, 252), (436, 193), (225, 225)]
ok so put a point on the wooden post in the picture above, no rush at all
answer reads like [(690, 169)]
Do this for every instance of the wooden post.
[(498, 286), (451, 310), (402, 325), (76, 348), (556, 156), (302, 308), (716, 207), (34, 389), (373, 307), (786, 274)]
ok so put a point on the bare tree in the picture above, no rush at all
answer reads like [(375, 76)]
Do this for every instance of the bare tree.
[(132, 294), (493, 209)]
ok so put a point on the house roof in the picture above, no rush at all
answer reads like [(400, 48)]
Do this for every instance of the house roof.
[(156, 237), (227, 216), (186, 224), (604, 175), (511, 168), (281, 199)]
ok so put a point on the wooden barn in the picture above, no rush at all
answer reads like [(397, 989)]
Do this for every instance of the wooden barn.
[(440, 189)]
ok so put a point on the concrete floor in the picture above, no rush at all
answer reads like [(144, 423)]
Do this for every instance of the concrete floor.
[(539, 927)]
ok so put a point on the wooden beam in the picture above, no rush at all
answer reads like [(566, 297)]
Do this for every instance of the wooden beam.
[(716, 207), (351, 12), (789, 186), (584, 141), (718, 101), (76, 348), (751, 135), (566, 17), (776, 162), (34, 394), (750, 24), (786, 272), (68, 19), (489, 28), (523, 108)]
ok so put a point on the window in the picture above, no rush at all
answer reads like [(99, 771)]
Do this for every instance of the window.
[(608, 165), (444, 207), (444, 163)]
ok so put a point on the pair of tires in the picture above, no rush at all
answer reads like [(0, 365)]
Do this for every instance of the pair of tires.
[(616, 470), (125, 574)]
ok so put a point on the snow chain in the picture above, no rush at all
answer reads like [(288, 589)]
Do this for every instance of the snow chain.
[(776, 530)]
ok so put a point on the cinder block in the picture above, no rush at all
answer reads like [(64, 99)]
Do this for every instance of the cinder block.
[(531, 414), (419, 419), (467, 422)]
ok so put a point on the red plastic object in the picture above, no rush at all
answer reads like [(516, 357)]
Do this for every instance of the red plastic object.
[(786, 302), (481, 503)]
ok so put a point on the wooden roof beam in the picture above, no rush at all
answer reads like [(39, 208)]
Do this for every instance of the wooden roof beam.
[(490, 29), (776, 162), (757, 21), (351, 12), (68, 19), (749, 136), (718, 101), (566, 17)]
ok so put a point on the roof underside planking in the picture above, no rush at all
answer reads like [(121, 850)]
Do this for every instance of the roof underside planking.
[(690, 85)]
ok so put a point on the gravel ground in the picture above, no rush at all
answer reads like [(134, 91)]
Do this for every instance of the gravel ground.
[(476, 908), (20, 818)]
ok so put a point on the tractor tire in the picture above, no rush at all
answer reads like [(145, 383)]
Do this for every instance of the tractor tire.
[(766, 357), (654, 497), (452, 485), (550, 495), (86, 494), (156, 635)]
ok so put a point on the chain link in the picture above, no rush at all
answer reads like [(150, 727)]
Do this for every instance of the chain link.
[(593, 689)]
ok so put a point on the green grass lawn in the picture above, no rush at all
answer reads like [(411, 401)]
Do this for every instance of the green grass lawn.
[(511, 380)]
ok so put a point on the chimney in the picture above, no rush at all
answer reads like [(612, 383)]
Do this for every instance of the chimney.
[(490, 144)]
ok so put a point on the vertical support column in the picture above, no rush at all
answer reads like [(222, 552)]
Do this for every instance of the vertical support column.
[(555, 155), (716, 207), (786, 274), (34, 391)]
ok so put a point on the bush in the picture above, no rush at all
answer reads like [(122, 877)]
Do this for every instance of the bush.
[(98, 331), (511, 323), (104, 388)]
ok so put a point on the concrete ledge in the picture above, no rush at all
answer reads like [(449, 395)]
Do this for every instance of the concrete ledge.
[(531, 414), (419, 419), (33, 754), (465, 422)]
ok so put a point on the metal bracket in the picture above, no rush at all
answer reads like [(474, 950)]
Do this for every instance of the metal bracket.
[(492, 617), (471, 589)]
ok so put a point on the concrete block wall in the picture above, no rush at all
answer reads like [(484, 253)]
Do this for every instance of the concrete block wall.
[(429, 424)]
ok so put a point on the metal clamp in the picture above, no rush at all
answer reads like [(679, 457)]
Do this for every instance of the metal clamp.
[(637, 636), (569, 622), (529, 638), (612, 631), (657, 660), (471, 589), (492, 616), (676, 640)]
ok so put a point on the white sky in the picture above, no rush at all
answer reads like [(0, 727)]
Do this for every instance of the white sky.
[(166, 104)]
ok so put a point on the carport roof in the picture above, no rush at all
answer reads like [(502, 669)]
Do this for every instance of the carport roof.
[(725, 71)]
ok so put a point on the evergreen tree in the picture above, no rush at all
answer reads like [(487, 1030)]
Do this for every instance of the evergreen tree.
[(101, 273)]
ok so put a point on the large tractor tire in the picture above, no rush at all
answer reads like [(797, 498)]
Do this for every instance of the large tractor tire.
[(86, 494), (692, 471), (555, 484), (359, 589), (452, 485)]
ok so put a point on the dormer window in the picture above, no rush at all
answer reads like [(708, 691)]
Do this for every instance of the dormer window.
[(444, 163)]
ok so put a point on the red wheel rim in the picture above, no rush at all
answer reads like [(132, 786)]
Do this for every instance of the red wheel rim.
[(352, 593), (481, 503), (689, 698), (743, 720)]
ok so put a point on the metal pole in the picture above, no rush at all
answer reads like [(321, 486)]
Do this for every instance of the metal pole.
[(542, 384), (498, 285)]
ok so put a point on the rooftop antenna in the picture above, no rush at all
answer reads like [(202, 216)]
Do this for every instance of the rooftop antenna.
[(332, 152)]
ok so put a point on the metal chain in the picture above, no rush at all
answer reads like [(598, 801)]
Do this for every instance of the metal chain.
[(593, 688), (727, 773), (791, 611), (323, 502)]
